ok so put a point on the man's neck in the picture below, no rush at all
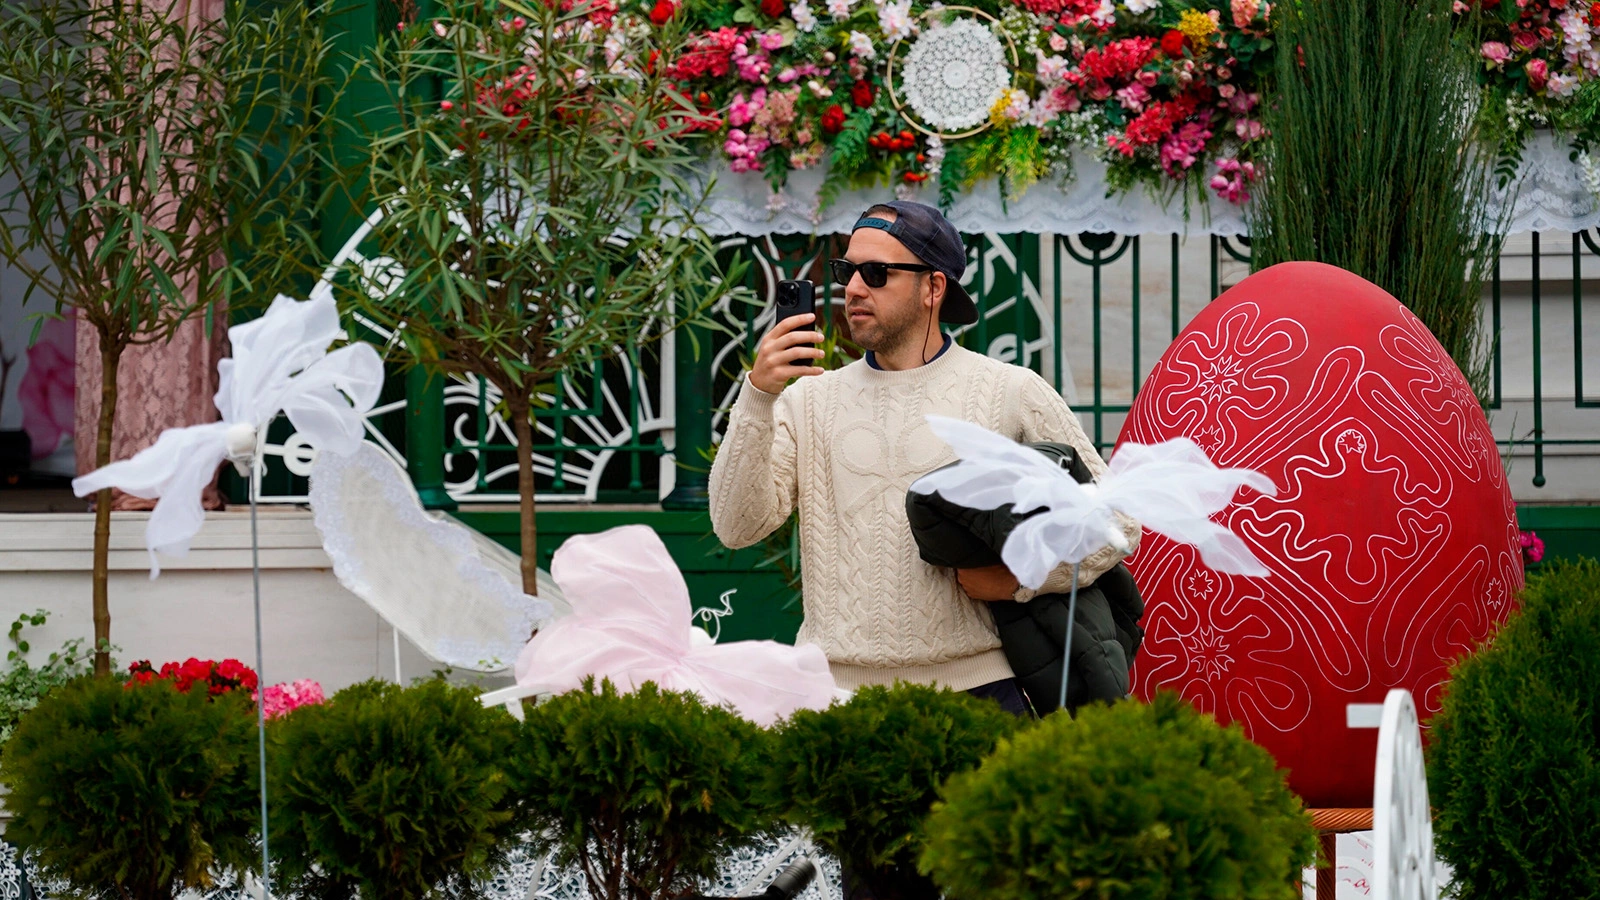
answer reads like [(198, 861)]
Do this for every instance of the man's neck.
[(911, 354)]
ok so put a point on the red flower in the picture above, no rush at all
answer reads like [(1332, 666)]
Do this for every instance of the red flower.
[(1594, 14), (663, 12), (1172, 43), (1155, 123), (833, 119), (773, 8), (861, 94), (1118, 59)]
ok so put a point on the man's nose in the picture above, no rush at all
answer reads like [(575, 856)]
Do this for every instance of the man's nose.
[(856, 288)]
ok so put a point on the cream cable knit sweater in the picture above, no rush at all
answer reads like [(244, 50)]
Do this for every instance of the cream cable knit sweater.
[(845, 446)]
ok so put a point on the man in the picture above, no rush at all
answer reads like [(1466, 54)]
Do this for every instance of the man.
[(845, 445)]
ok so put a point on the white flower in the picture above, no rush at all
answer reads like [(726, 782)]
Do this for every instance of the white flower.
[(861, 45), (1561, 84), (1040, 115), (840, 9), (895, 20), (804, 20), (1052, 69), (1589, 173), (1106, 15), (1140, 7)]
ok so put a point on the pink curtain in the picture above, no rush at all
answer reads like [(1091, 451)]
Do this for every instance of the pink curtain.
[(159, 386)]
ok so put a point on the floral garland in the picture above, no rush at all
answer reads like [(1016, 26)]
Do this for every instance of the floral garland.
[(1165, 93), (1541, 68)]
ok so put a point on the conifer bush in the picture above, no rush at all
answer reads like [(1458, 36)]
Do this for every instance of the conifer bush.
[(1130, 800), (391, 793), (1514, 763), (862, 775), (136, 790), (644, 792)]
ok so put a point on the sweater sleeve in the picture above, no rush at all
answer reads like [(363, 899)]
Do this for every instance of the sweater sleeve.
[(753, 481), (1045, 416)]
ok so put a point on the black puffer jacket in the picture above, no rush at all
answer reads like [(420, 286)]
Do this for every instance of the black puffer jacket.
[(1033, 634)]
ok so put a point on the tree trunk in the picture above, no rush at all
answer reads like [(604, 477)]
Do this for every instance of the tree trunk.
[(110, 358), (522, 422)]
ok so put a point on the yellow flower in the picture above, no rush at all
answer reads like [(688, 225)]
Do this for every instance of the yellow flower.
[(1002, 114), (1196, 26)]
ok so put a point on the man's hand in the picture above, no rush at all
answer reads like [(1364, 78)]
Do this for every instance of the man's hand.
[(781, 353), (988, 583)]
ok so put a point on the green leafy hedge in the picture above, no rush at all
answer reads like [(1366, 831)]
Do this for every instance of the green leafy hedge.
[(862, 775), (392, 793), (1130, 800), (1514, 767), (134, 792)]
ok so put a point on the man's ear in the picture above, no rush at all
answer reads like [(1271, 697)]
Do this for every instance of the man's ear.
[(936, 286)]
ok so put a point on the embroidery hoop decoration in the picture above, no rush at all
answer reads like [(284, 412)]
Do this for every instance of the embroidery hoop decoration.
[(899, 105)]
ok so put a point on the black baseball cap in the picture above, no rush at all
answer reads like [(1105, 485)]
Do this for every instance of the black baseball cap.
[(927, 233)]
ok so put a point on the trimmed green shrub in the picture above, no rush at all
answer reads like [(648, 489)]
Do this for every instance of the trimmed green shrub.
[(134, 792), (392, 793), (1129, 800), (862, 775), (1514, 766), (645, 792)]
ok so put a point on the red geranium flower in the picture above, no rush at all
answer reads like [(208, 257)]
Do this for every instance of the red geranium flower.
[(773, 8), (833, 119), (1172, 43), (663, 12), (861, 94)]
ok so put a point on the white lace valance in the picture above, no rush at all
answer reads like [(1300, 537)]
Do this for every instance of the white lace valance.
[(1550, 196)]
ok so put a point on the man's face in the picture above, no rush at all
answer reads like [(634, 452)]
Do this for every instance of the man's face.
[(882, 319)]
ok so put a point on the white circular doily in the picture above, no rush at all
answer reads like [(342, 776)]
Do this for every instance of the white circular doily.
[(954, 74)]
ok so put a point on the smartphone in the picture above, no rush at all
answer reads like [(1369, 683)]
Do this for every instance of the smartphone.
[(795, 298)]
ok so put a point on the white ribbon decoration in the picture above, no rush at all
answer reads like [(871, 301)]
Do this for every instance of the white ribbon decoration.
[(1171, 488), (280, 363)]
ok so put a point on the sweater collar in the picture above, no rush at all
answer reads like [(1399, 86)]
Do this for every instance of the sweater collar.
[(872, 358)]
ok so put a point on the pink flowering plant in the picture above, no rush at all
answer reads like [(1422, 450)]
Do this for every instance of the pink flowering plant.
[(282, 699), (1166, 93), (1541, 67), (1532, 547)]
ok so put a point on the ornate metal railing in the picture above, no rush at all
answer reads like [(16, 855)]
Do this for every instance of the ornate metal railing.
[(1090, 312)]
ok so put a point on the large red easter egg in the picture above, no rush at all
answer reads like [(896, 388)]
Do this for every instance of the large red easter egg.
[(1392, 540)]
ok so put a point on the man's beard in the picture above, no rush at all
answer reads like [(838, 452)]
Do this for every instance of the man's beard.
[(881, 334)]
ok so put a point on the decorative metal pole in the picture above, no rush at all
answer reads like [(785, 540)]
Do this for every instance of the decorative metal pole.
[(1072, 624)]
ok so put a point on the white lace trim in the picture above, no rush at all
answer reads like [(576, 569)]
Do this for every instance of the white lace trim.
[(1551, 196)]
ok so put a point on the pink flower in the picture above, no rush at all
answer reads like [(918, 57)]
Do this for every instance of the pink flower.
[(1249, 129), (1057, 42), (1244, 11), (1062, 99), (1538, 73), (1133, 97), (46, 390), (1231, 178), (1495, 52), (1525, 40), (1532, 546), (1183, 147), (282, 699)]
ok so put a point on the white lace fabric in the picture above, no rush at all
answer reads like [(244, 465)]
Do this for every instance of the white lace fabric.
[(1548, 195)]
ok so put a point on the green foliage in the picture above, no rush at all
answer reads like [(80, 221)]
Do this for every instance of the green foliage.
[(1514, 767), (22, 685), (390, 793), (1014, 155), (134, 792), (1129, 800), (161, 164), (850, 157), (863, 774), (534, 230), (1374, 163), (645, 792)]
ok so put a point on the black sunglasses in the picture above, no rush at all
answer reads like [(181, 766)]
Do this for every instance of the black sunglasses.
[(875, 274)]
